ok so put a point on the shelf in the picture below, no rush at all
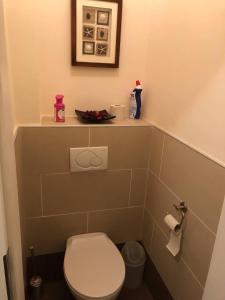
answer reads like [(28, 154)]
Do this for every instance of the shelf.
[(48, 121)]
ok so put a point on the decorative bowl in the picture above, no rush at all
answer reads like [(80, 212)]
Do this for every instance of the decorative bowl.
[(94, 116)]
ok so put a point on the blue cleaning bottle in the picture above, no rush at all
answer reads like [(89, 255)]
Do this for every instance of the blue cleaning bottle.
[(138, 91)]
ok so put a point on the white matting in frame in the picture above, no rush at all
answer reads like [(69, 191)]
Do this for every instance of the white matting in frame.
[(112, 8)]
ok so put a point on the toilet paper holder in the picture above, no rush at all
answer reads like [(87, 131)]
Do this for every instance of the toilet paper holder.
[(182, 209)]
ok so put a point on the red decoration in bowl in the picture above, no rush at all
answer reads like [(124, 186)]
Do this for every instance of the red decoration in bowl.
[(94, 116)]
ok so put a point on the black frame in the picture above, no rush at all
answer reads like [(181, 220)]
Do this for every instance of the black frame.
[(74, 37)]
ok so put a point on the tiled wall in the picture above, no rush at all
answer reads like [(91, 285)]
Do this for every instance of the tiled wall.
[(56, 204), (177, 173)]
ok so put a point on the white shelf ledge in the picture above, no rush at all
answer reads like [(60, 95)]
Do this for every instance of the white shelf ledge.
[(47, 121)]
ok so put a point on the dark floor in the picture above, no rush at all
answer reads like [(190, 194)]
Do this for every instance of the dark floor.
[(58, 290)]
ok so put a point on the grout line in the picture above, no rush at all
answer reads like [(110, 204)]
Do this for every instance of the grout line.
[(146, 187), (145, 200), (87, 221), (151, 240), (57, 173), (147, 170), (41, 188), (189, 208), (83, 212), (117, 170), (59, 215), (140, 169), (89, 171), (89, 137), (121, 208), (142, 224), (150, 149), (162, 155), (192, 273), (131, 179)]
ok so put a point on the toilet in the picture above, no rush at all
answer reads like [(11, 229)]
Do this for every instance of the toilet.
[(93, 267)]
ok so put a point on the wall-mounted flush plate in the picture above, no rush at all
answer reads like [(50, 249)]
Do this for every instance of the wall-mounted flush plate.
[(88, 158)]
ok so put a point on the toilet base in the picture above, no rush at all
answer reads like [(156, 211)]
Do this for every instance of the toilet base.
[(78, 298), (110, 297)]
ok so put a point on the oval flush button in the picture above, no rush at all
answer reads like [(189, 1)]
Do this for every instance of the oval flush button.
[(96, 161), (88, 158)]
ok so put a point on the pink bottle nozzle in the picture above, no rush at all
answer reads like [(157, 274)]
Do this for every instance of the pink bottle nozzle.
[(59, 98)]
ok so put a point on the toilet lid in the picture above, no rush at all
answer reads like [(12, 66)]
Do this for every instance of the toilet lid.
[(93, 266)]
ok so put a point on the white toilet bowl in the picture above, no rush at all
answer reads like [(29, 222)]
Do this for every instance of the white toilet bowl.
[(93, 267)]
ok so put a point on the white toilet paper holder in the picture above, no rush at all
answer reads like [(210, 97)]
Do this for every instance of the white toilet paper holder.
[(182, 209)]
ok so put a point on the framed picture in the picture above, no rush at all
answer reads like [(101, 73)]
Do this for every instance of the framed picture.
[(96, 32)]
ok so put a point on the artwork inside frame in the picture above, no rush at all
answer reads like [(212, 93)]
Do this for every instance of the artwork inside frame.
[(96, 32)]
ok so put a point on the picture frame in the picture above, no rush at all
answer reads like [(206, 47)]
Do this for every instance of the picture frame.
[(96, 33)]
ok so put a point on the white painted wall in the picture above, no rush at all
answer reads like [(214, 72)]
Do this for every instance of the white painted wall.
[(3, 243), (215, 285), (186, 75), (182, 42), (39, 37), (8, 169), (186, 72)]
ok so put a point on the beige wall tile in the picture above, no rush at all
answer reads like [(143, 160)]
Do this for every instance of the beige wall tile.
[(197, 247), (160, 202), (128, 146), (19, 170), (121, 225), (22, 207), (18, 155), (49, 235), (32, 195), (47, 149), (147, 231), (74, 192), (150, 144), (198, 241), (138, 187), (157, 139), (176, 275), (195, 179)]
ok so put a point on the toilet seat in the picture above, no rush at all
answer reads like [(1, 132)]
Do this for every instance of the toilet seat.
[(93, 266)]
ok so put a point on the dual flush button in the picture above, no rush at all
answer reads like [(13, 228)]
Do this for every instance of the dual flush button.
[(88, 158)]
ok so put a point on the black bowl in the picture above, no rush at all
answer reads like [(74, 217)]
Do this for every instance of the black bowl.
[(92, 117)]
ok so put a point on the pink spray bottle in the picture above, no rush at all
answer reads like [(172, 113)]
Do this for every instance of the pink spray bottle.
[(59, 106)]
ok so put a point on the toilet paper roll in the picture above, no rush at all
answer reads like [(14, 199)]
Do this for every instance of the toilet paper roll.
[(172, 223), (118, 110), (175, 235), (174, 242)]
